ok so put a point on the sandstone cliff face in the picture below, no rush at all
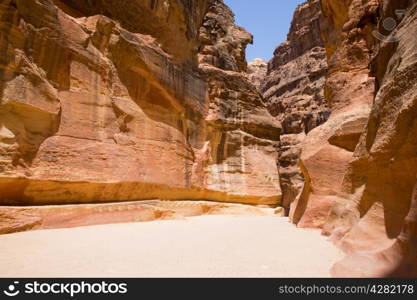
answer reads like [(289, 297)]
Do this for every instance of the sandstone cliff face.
[(326, 151), (111, 101), (240, 136), (360, 166), (377, 226), (293, 90), (256, 71)]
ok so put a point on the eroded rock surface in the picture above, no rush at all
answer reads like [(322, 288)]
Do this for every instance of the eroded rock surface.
[(294, 92), (327, 150), (257, 70), (377, 226), (110, 101), (360, 166), (16, 219)]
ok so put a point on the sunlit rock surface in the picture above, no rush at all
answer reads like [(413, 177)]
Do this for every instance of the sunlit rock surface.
[(15, 219), (377, 226), (359, 167), (293, 89), (256, 71), (110, 101), (349, 89)]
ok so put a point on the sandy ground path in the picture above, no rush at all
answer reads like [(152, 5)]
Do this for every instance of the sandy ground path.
[(206, 246)]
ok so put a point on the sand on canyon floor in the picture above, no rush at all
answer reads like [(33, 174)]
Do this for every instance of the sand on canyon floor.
[(205, 246)]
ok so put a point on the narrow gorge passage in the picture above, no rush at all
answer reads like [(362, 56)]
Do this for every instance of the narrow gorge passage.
[(113, 113), (205, 246)]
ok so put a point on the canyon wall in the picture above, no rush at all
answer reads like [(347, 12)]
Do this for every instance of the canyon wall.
[(346, 29), (257, 70), (113, 101), (377, 225), (293, 89), (359, 167), (344, 88), (106, 101)]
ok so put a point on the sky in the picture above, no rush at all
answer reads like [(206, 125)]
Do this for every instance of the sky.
[(268, 21)]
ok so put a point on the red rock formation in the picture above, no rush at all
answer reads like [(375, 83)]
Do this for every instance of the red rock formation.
[(293, 91), (15, 219), (360, 166), (110, 101), (327, 149), (257, 70), (238, 146), (377, 227)]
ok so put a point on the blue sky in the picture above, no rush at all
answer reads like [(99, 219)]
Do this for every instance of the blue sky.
[(268, 21)]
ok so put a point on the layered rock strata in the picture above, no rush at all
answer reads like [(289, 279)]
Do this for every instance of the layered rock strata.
[(16, 219), (359, 167), (257, 70), (293, 90), (349, 89), (376, 225), (110, 101)]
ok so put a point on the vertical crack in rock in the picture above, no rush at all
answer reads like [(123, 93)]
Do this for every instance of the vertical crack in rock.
[(346, 29), (241, 134), (293, 91)]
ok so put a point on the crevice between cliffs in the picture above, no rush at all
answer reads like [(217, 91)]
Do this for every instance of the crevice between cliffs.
[(161, 117)]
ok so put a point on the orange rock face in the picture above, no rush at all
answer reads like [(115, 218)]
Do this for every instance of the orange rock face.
[(327, 150), (116, 101), (15, 219), (103, 101), (256, 71), (360, 166), (293, 90), (380, 220)]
